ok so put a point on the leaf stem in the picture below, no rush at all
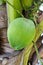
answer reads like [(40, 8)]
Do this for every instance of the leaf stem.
[(14, 8), (27, 50), (38, 56)]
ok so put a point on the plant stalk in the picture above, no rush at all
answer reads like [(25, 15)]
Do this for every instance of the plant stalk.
[(14, 8), (39, 30), (38, 56), (2, 2)]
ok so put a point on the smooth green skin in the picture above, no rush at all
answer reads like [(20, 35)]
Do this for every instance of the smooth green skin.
[(26, 3), (21, 33), (12, 14)]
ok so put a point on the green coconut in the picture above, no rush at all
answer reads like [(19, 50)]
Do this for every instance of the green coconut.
[(26, 3), (20, 33)]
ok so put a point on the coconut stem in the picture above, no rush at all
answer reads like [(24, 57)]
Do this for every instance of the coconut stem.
[(38, 56), (39, 30), (14, 8)]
